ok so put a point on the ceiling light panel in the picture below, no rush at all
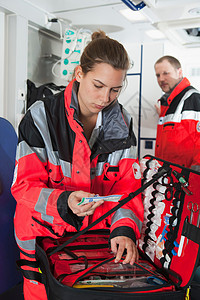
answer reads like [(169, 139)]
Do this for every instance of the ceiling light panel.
[(155, 34), (133, 16)]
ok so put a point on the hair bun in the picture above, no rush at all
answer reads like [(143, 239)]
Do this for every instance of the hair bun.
[(99, 35)]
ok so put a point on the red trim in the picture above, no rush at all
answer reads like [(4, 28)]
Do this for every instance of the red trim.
[(181, 86)]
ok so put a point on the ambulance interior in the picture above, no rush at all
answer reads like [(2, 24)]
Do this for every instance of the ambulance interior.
[(33, 46)]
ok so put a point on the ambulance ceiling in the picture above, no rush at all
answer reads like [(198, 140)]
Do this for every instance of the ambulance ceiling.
[(176, 20)]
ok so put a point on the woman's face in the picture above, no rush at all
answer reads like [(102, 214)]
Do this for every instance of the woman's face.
[(98, 88)]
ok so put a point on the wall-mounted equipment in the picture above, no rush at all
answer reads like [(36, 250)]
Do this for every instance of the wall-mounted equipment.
[(74, 42)]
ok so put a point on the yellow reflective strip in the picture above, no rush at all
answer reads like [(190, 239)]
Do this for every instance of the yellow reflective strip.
[(187, 296)]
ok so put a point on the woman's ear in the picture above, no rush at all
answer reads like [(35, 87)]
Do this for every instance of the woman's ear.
[(78, 73)]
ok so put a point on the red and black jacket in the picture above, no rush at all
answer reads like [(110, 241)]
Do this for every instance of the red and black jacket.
[(54, 158), (178, 130)]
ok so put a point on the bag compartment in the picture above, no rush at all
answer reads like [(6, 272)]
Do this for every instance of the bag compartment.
[(95, 270), (168, 239)]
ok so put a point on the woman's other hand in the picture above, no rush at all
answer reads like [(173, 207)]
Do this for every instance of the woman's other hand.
[(121, 243)]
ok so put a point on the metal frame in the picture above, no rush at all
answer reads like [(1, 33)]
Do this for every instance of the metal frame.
[(16, 68), (140, 98)]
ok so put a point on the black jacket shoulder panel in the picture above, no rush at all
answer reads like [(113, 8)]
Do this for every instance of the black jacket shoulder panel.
[(175, 102), (193, 102), (62, 136), (29, 133), (50, 111)]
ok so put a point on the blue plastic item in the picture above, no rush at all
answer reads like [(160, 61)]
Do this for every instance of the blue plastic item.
[(9, 253), (132, 6)]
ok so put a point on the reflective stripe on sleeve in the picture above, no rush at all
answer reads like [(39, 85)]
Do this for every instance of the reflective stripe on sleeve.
[(191, 115), (195, 168), (185, 115), (28, 245), (41, 205), (122, 213), (24, 149), (15, 175)]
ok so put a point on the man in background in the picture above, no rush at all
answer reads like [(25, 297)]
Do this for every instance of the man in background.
[(178, 130)]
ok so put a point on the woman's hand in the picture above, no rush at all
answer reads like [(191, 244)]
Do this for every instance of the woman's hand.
[(85, 209), (121, 243)]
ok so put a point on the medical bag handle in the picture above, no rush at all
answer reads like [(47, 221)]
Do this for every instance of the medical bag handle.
[(162, 171)]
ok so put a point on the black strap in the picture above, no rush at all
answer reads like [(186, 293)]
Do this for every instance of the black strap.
[(161, 172), (87, 271), (29, 263), (185, 171), (191, 231), (31, 275)]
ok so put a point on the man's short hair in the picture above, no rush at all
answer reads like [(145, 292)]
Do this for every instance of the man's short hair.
[(172, 60)]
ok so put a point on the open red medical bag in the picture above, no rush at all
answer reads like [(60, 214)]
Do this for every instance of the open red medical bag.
[(170, 234), (81, 265)]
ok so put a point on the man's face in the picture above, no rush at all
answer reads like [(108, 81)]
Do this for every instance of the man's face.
[(167, 76)]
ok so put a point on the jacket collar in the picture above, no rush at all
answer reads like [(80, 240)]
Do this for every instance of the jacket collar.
[(179, 88), (113, 123)]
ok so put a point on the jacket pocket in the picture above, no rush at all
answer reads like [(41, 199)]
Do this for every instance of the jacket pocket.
[(56, 179), (111, 173), (168, 126), (110, 176)]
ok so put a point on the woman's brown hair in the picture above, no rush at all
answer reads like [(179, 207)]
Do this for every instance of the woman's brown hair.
[(103, 49)]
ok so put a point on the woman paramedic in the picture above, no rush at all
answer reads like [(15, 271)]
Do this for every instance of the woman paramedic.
[(76, 144)]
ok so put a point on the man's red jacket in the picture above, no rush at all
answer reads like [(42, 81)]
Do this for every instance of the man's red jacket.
[(178, 130)]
